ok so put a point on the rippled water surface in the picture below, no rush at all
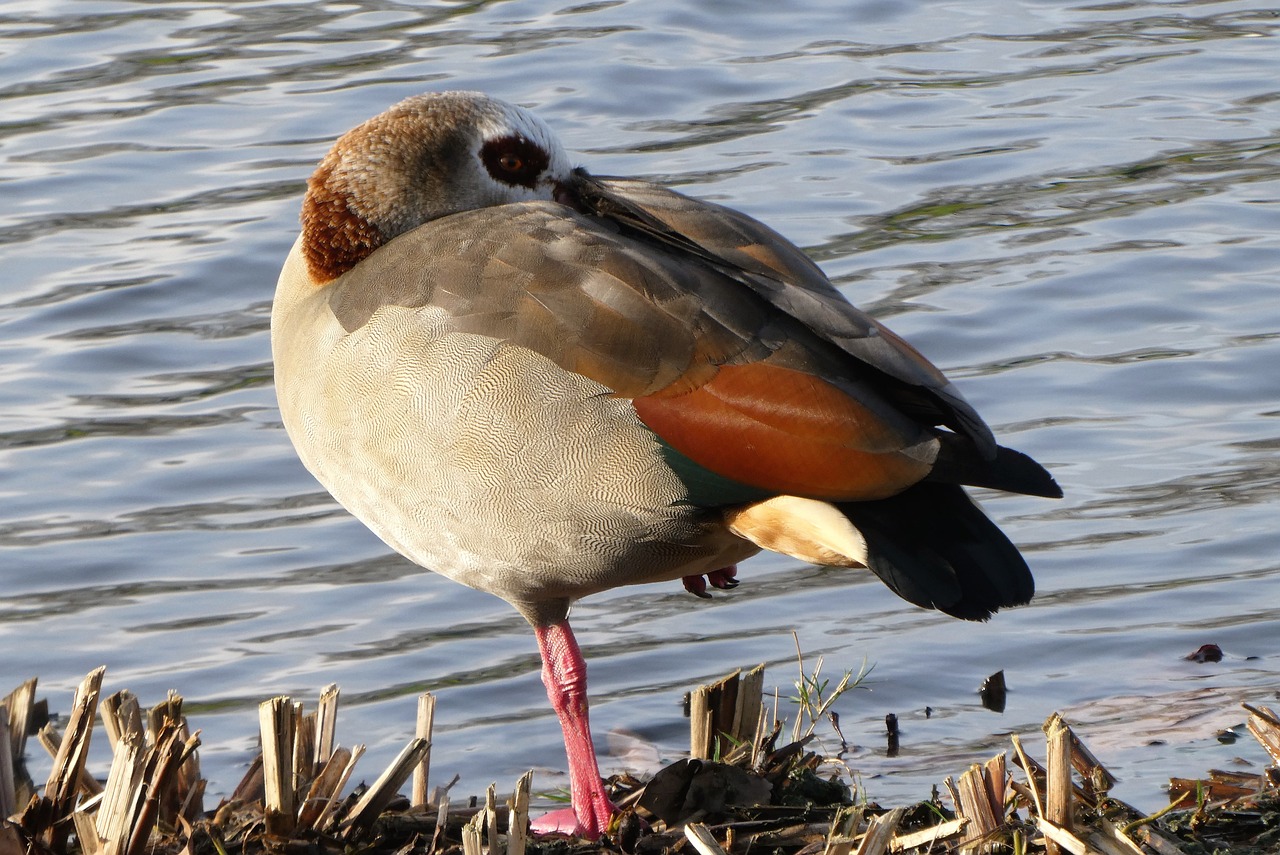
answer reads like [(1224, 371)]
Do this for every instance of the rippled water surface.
[(1070, 207)]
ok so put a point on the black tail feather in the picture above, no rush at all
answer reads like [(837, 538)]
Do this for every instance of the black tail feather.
[(959, 462), (934, 547)]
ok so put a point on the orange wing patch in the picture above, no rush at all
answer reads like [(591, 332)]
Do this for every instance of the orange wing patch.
[(786, 431)]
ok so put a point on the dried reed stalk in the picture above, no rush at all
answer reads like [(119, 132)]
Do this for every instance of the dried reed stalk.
[(20, 703), (880, 832), (724, 716), (422, 730), (700, 837), (326, 727), (304, 748), (711, 709), (926, 837), (124, 783), (51, 739), (976, 804), (8, 785), (1058, 839), (121, 717), (472, 835), (69, 762), (276, 721), (844, 829), (442, 822), (749, 710), (1265, 727), (1057, 807), (518, 815), (366, 810), (161, 776), (491, 818), (325, 791)]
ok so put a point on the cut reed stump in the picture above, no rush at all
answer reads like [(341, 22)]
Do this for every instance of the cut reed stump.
[(725, 715), (747, 795)]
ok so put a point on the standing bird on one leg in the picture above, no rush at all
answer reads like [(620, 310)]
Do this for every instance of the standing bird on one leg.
[(545, 384)]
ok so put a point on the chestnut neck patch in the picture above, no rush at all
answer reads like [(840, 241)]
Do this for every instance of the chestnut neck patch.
[(335, 238)]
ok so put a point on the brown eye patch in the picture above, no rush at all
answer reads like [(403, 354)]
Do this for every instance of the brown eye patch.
[(514, 160)]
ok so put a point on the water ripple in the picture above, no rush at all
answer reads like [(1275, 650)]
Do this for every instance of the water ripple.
[(1070, 207)]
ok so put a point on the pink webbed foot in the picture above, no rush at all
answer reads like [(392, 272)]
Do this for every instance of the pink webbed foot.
[(563, 821), (726, 578)]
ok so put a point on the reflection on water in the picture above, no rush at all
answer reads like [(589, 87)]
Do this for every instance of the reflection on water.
[(1072, 208)]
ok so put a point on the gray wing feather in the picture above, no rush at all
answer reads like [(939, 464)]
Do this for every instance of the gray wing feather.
[(778, 271)]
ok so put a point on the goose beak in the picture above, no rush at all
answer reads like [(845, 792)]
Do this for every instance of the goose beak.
[(570, 192)]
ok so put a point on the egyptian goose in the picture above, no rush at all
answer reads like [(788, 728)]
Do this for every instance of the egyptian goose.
[(544, 384)]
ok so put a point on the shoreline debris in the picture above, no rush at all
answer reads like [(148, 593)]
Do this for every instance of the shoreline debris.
[(738, 792)]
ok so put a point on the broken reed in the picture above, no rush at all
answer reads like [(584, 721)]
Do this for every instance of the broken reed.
[(154, 780)]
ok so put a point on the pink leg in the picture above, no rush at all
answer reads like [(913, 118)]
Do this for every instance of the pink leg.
[(564, 672)]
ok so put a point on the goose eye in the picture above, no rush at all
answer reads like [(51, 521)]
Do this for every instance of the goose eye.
[(514, 160)]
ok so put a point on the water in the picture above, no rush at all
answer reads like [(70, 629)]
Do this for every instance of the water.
[(1070, 207)]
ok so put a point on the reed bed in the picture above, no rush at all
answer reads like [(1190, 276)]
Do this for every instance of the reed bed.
[(743, 789)]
